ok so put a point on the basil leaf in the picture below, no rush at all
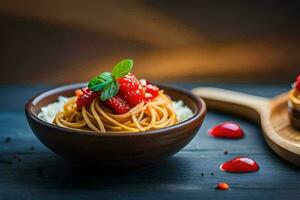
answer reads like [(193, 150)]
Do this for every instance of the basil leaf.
[(100, 81), (122, 68), (109, 90)]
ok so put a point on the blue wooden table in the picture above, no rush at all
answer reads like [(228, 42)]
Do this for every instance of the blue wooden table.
[(28, 170)]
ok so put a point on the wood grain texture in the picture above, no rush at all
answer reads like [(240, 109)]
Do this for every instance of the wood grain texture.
[(177, 178), (272, 114)]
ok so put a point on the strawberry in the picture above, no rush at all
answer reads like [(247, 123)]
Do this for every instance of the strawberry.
[(131, 89), (297, 84), (117, 104), (148, 96), (151, 91), (128, 83), (85, 97)]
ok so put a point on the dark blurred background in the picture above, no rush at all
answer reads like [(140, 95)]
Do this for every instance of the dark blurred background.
[(55, 42)]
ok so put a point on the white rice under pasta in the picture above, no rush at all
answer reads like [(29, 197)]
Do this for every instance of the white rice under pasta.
[(49, 111)]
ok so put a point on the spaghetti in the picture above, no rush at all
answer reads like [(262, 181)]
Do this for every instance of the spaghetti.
[(96, 117)]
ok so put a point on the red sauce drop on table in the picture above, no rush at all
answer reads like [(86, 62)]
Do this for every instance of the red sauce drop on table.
[(240, 164), (222, 186), (227, 130)]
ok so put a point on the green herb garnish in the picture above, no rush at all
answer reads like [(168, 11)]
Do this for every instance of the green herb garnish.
[(100, 81), (122, 68), (107, 83)]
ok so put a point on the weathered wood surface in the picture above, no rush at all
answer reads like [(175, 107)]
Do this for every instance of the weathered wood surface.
[(39, 174)]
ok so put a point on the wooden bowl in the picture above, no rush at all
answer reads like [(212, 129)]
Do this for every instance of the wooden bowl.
[(117, 149)]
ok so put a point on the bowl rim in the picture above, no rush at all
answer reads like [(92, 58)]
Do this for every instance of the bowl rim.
[(200, 112)]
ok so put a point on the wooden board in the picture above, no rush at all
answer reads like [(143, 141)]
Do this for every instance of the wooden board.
[(271, 114)]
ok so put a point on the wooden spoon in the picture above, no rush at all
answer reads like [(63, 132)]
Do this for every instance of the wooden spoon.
[(272, 114)]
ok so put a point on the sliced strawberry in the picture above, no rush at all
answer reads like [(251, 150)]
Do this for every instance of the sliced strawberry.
[(131, 89), (152, 89), (86, 97), (148, 96), (298, 83), (117, 104)]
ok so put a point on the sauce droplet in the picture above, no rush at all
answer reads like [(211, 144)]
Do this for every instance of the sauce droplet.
[(222, 186), (240, 164), (227, 130)]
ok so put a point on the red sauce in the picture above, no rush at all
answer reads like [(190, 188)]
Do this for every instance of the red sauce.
[(222, 186), (239, 165), (227, 130)]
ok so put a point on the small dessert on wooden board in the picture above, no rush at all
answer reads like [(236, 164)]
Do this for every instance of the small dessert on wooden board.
[(271, 114), (294, 104)]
